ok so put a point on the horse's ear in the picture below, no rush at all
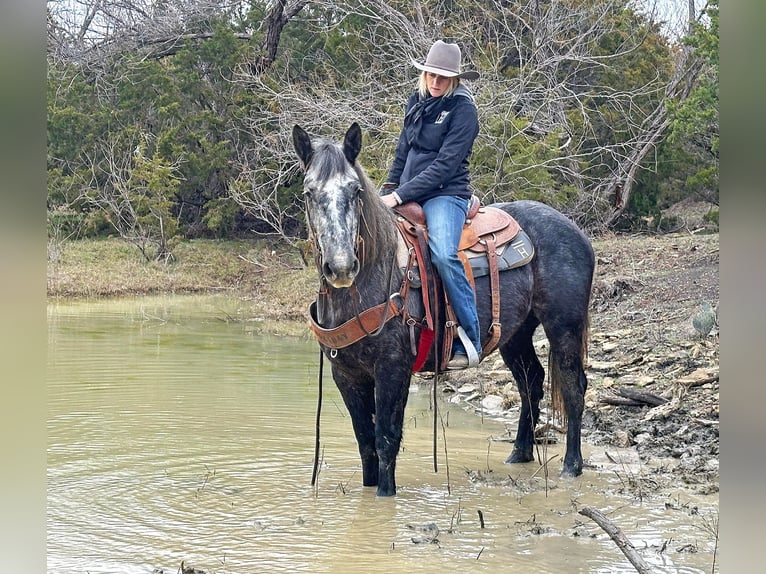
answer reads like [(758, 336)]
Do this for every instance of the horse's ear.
[(302, 145), (352, 143)]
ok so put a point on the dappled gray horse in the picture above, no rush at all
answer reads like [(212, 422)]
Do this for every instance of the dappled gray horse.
[(356, 243)]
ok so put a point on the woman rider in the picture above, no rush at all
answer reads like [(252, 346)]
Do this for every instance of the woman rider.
[(431, 168)]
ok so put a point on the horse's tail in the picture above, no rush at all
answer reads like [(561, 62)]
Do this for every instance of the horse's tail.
[(558, 405)]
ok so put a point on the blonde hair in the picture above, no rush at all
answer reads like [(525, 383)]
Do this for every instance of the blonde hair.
[(423, 85)]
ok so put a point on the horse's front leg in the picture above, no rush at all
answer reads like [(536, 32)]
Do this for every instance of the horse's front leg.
[(359, 397), (392, 381)]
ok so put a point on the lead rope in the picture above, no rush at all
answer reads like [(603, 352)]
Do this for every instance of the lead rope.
[(315, 471), (437, 376)]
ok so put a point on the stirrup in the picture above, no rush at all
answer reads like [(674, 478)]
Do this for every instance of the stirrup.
[(470, 350)]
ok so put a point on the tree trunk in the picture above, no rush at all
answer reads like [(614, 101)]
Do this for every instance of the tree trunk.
[(620, 184), (278, 17)]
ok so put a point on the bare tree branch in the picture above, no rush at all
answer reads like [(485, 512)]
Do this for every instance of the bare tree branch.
[(620, 184), (614, 532), (555, 125), (281, 13), (91, 32)]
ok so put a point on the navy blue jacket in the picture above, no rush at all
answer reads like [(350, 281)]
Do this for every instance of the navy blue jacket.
[(434, 146)]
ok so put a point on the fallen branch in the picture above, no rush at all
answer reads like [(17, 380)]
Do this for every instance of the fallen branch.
[(621, 402), (642, 396), (634, 398), (542, 466), (706, 422), (252, 261), (619, 538), (692, 381)]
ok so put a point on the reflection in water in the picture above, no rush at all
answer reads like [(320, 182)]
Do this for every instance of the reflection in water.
[(177, 434)]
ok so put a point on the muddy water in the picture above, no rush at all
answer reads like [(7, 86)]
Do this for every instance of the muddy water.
[(177, 431)]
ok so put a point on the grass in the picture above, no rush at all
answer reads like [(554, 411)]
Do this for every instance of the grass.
[(274, 279)]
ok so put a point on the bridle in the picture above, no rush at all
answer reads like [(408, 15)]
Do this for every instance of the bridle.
[(363, 323), (367, 322)]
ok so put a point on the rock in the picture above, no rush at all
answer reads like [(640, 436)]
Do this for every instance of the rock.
[(705, 319), (622, 438), (642, 438), (492, 403), (428, 533)]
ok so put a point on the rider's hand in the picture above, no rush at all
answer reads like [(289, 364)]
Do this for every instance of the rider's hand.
[(389, 200)]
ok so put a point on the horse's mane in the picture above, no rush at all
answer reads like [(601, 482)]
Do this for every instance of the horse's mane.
[(377, 228)]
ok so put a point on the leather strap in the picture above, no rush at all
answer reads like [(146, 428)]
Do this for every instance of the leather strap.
[(429, 290), (450, 330), (494, 281), (356, 328)]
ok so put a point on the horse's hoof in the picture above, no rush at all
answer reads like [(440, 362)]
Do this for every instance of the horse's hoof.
[(570, 472), (382, 492), (517, 456)]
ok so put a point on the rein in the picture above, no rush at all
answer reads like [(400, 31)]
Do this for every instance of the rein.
[(315, 470)]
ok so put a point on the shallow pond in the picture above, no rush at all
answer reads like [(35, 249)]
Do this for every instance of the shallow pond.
[(178, 431)]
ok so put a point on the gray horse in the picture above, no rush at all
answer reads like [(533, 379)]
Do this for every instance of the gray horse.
[(356, 242)]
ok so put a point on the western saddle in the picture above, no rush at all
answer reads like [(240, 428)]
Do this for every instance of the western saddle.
[(492, 241)]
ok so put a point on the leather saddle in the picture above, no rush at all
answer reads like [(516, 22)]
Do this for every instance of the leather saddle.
[(492, 241)]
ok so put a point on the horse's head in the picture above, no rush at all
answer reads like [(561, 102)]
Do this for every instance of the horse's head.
[(332, 190)]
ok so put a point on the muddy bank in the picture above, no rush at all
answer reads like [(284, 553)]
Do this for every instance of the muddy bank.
[(653, 365)]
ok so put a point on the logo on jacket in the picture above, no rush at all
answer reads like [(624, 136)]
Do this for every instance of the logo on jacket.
[(441, 118)]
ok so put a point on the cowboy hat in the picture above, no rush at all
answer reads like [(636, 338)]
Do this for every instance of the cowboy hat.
[(444, 59)]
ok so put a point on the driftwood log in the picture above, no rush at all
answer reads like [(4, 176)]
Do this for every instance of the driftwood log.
[(614, 532), (634, 398)]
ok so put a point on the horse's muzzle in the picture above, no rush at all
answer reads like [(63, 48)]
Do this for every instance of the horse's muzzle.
[(340, 276)]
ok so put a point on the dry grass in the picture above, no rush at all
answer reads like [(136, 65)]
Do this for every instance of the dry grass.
[(273, 279)]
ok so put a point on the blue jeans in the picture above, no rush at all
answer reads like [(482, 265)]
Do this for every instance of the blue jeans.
[(445, 216)]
